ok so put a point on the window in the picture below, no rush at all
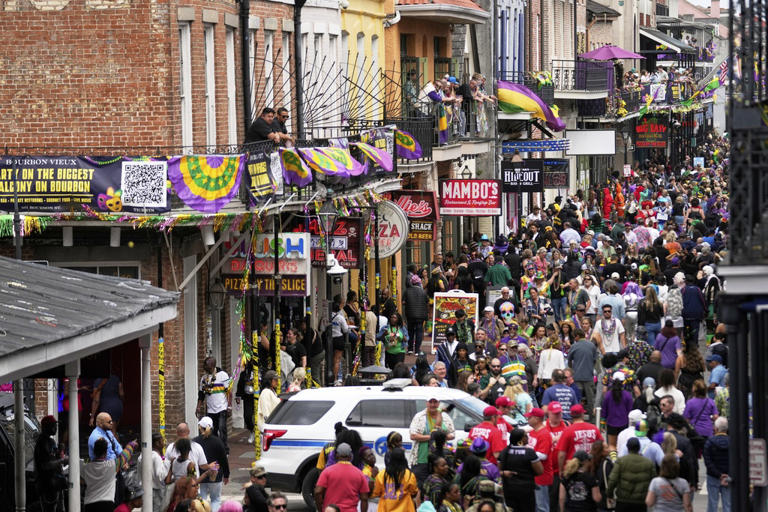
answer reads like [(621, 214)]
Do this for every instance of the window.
[(130, 270), (269, 69), (333, 58), (359, 73), (403, 45), (287, 77), (185, 85), (210, 84), (299, 412), (231, 88), (462, 420), (252, 64), (380, 413), (376, 93)]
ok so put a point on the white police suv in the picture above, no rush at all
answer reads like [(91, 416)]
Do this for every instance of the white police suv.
[(296, 431)]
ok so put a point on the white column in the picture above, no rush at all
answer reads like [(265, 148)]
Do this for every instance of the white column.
[(72, 371), (146, 422), (19, 461)]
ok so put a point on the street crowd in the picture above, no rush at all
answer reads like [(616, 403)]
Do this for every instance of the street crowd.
[(602, 364)]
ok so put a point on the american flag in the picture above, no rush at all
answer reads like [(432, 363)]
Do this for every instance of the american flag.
[(724, 71)]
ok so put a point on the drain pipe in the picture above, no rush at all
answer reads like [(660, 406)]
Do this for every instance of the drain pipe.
[(245, 46)]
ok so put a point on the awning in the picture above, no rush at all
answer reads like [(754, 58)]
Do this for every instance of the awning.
[(50, 316), (600, 9), (667, 40), (444, 11)]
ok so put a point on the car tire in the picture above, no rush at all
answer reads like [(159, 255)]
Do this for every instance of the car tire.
[(308, 487)]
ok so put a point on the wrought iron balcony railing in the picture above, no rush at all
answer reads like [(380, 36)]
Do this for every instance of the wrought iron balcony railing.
[(582, 76), (545, 92)]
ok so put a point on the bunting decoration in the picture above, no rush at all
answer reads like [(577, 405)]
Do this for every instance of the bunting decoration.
[(323, 164), (206, 183), (377, 155), (342, 156), (407, 146), (515, 98), (442, 124), (295, 171)]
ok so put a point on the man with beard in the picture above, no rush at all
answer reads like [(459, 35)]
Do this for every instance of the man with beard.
[(493, 383)]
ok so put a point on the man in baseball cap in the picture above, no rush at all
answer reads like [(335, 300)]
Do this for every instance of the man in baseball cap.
[(579, 435), (488, 431), (540, 439), (504, 404)]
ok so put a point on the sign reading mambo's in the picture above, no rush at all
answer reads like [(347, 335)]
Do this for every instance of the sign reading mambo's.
[(470, 197), (393, 228), (421, 209), (651, 133), (525, 176)]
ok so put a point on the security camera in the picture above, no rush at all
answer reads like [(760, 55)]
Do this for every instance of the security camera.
[(344, 4)]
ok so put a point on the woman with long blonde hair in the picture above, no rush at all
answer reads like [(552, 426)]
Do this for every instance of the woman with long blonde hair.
[(516, 392)]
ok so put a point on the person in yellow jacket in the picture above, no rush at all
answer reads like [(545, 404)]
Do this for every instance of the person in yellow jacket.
[(396, 486)]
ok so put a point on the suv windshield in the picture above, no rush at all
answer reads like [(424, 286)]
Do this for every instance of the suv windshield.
[(299, 412), (473, 404)]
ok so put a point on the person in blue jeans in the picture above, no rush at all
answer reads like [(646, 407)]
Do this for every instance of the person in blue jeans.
[(649, 314), (716, 460)]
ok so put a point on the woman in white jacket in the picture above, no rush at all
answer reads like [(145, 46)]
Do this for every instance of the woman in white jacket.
[(550, 359)]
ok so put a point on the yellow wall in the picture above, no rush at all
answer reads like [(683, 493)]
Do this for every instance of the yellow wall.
[(366, 17)]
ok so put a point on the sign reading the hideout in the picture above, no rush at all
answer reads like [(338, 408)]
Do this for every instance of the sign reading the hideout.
[(525, 176)]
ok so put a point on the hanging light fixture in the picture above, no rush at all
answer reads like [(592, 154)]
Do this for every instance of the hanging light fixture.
[(114, 237), (207, 233), (67, 236)]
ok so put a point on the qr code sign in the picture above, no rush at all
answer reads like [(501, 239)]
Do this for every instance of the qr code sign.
[(143, 184)]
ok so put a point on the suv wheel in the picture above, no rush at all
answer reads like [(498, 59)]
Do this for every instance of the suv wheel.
[(308, 487)]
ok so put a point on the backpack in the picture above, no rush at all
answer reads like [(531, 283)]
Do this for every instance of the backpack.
[(674, 303)]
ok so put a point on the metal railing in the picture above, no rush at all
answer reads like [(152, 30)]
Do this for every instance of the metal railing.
[(545, 92), (422, 129), (582, 75)]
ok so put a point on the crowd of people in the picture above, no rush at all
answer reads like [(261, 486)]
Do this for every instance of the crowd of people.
[(603, 365)]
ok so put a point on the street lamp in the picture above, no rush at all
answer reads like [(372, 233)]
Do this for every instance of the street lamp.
[(328, 216)]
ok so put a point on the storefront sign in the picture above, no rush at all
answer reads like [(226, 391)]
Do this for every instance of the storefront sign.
[(557, 173), (651, 133), (290, 286), (470, 197), (345, 240), (421, 209), (444, 312), (66, 183), (393, 228), (525, 176), (264, 285)]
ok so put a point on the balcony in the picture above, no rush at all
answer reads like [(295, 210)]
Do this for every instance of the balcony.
[(423, 131), (545, 92), (582, 80)]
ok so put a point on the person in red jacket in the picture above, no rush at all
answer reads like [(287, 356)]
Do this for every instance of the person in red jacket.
[(540, 439), (579, 436), (555, 425), (488, 431)]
